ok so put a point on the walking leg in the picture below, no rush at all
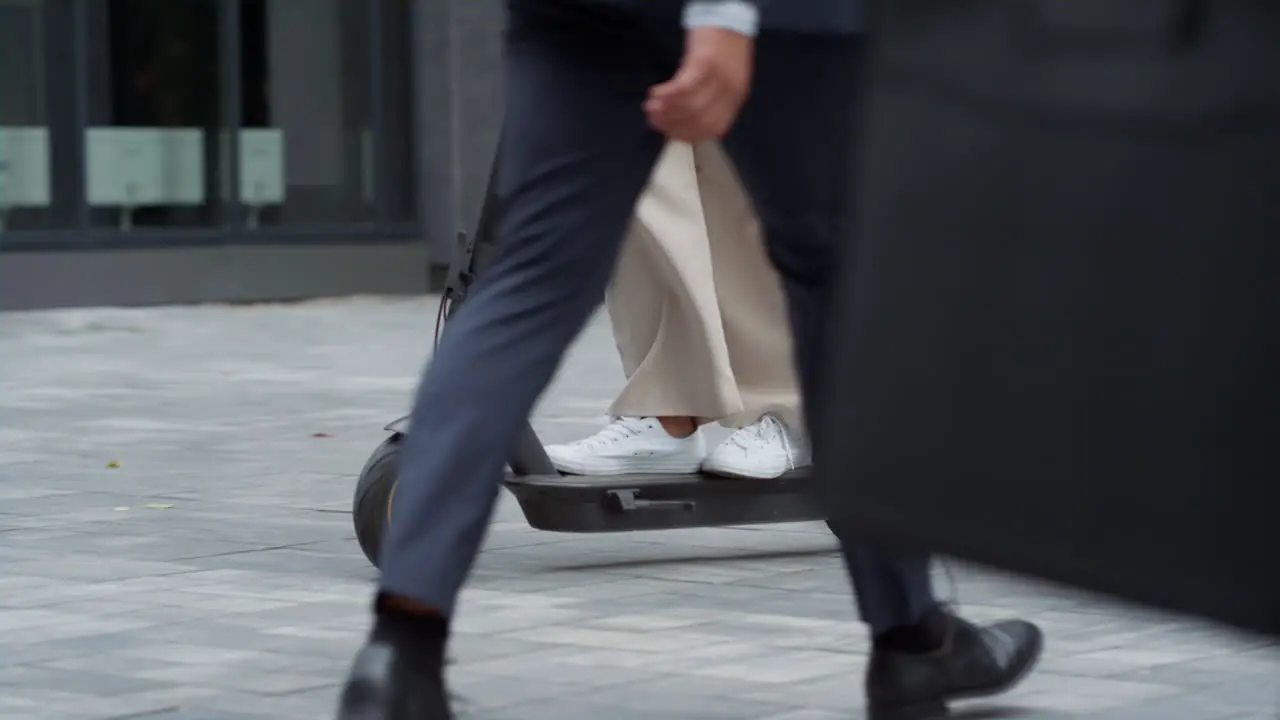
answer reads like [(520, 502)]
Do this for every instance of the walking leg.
[(576, 153), (922, 656)]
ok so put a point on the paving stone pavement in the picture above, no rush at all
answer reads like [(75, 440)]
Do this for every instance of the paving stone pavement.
[(176, 545)]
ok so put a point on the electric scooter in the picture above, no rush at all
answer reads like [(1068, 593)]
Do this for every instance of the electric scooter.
[(578, 503)]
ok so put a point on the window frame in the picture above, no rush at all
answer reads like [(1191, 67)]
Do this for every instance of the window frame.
[(69, 63)]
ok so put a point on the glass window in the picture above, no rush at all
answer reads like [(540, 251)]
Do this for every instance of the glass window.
[(155, 116), (307, 151), (29, 196)]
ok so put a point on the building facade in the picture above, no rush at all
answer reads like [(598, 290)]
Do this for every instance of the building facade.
[(160, 151)]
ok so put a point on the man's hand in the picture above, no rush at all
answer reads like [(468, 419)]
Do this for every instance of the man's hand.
[(701, 101)]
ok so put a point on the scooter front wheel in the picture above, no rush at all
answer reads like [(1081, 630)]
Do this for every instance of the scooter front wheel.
[(375, 491)]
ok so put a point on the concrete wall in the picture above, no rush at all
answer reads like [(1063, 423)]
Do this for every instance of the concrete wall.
[(241, 274), (458, 107)]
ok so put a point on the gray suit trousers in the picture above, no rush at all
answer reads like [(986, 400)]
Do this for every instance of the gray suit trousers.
[(576, 154)]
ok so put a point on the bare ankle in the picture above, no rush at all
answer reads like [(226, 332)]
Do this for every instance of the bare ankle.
[(679, 427)]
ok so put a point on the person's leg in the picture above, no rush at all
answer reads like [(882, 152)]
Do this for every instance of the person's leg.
[(701, 326), (646, 431), (575, 154), (753, 310), (793, 146), (767, 440), (684, 369), (666, 323), (800, 188)]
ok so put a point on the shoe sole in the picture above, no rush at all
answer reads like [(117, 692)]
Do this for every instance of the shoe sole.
[(939, 708), (609, 469), (732, 474)]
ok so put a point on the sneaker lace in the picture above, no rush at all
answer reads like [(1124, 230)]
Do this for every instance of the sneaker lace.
[(618, 429), (751, 437)]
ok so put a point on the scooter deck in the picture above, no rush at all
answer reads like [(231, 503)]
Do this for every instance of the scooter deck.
[(622, 503)]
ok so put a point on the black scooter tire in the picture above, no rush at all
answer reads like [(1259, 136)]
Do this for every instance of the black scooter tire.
[(375, 491)]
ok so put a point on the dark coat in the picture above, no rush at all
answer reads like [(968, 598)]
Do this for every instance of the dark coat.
[(1058, 346)]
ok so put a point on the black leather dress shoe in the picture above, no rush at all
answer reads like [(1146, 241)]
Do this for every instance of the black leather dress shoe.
[(385, 685), (975, 662)]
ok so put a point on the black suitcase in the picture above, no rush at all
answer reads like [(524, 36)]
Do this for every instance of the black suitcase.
[(1058, 326)]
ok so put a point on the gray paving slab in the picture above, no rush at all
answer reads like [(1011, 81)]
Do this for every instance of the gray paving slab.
[(175, 544)]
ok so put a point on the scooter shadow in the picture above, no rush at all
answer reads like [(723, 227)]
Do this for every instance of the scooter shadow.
[(1005, 712), (702, 558)]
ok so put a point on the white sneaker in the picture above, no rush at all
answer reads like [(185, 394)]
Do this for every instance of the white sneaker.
[(764, 449), (627, 446)]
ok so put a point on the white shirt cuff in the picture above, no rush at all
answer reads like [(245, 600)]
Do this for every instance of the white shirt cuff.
[(740, 16)]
